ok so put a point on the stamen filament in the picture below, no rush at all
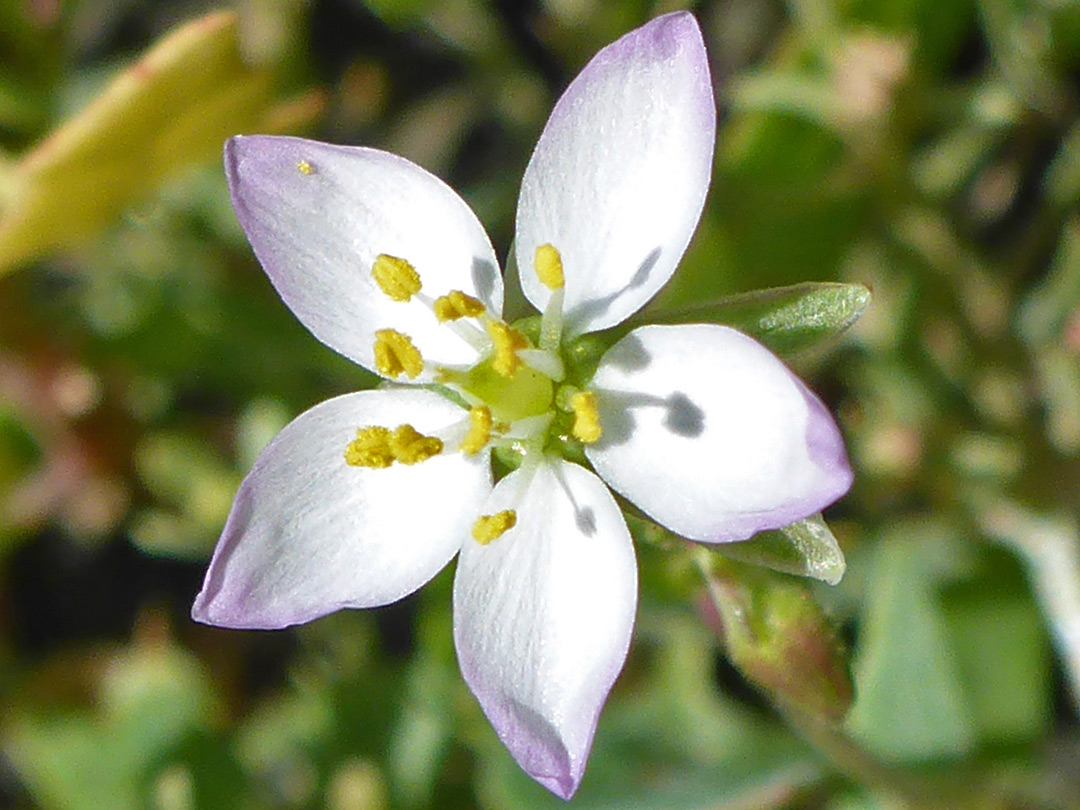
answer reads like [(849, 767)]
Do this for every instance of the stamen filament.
[(528, 428), (551, 322), (547, 363)]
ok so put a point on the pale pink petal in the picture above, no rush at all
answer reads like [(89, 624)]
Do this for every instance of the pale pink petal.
[(309, 534), (619, 176), (710, 434), (317, 215), (543, 617)]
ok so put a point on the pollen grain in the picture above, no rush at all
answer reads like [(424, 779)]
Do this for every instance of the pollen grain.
[(456, 304), (586, 418), (370, 448), (508, 342), (395, 355), (409, 446), (480, 424), (396, 277), (549, 269), (491, 527)]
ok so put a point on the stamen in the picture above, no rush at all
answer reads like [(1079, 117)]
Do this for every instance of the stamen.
[(304, 167), (370, 448), (395, 354), (586, 419), (409, 446), (455, 305), (548, 264), (507, 342), (480, 425), (492, 527), (395, 277)]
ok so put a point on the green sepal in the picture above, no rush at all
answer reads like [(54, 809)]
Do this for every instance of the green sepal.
[(778, 637), (788, 320), (806, 548)]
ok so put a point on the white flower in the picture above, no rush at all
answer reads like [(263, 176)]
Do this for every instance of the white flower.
[(364, 498)]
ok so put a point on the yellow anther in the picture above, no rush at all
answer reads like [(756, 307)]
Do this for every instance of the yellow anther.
[(586, 419), (548, 265), (395, 277), (304, 167), (457, 304), (409, 446), (370, 448), (395, 354), (508, 342), (492, 527), (480, 423)]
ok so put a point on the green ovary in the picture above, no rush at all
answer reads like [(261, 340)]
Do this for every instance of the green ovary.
[(526, 393)]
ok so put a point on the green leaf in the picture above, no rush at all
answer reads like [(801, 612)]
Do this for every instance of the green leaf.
[(182, 471), (910, 704), (806, 548), (1048, 307), (173, 107), (399, 13), (1002, 654), (150, 698), (786, 319)]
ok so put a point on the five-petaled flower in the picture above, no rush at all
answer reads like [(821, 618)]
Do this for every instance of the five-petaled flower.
[(364, 498)]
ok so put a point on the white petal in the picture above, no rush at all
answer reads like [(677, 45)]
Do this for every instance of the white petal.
[(710, 434), (543, 617), (619, 176), (308, 534), (317, 232)]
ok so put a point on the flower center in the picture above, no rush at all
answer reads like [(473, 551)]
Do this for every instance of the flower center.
[(514, 391)]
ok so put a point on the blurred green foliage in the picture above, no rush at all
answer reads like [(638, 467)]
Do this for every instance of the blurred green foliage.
[(926, 151)]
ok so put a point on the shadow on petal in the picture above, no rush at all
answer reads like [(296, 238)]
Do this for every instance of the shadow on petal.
[(629, 354), (484, 276), (682, 417), (589, 310)]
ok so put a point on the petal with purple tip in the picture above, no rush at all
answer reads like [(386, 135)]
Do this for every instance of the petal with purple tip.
[(317, 215), (543, 617), (618, 179), (709, 433), (308, 534)]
